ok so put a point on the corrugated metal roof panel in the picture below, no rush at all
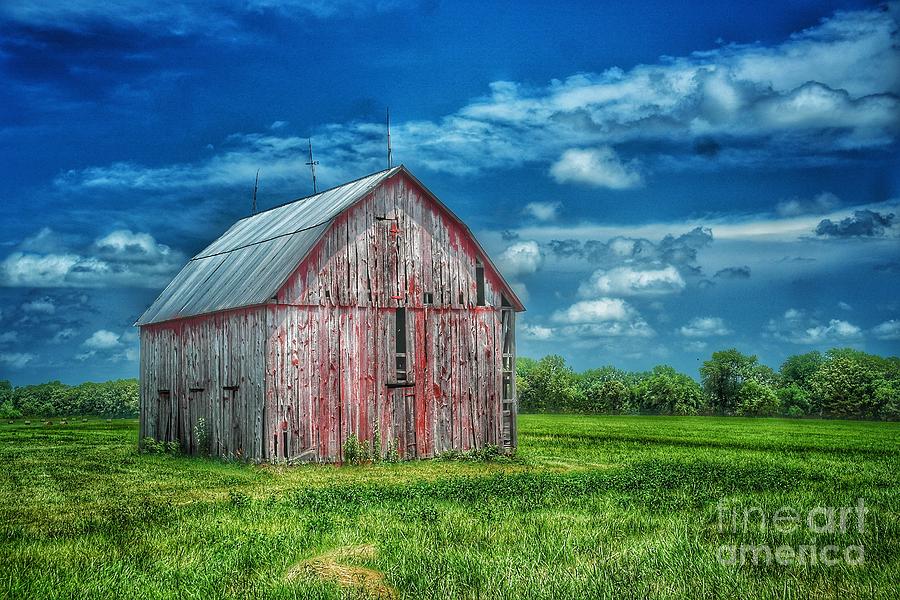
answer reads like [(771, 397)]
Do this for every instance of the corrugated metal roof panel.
[(249, 262)]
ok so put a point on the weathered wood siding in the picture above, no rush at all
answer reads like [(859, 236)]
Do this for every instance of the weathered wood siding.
[(210, 367), (331, 340), (328, 371)]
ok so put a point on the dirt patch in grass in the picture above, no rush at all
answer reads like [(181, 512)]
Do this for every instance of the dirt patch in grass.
[(332, 566)]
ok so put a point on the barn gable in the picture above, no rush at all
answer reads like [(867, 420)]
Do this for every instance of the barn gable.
[(252, 261)]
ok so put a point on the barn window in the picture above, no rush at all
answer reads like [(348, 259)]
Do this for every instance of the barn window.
[(400, 343), (479, 281), (427, 298)]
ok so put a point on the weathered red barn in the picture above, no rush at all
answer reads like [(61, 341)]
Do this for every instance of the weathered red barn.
[(368, 309)]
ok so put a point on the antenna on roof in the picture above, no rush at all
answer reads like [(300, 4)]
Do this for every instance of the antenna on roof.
[(255, 189), (312, 166), (390, 156)]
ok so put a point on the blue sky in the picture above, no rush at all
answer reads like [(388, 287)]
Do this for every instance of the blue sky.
[(658, 182)]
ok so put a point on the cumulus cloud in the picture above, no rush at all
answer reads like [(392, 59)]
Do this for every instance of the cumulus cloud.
[(542, 211), (102, 340), (798, 327), (536, 332), (733, 273), (863, 223), (120, 258), (43, 305), (808, 100), (627, 281), (602, 317), (63, 335), (16, 360), (597, 167), (820, 204), (679, 251), (521, 258), (701, 327), (889, 330)]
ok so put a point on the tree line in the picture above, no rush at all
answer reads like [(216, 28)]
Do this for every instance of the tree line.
[(840, 383), (117, 398)]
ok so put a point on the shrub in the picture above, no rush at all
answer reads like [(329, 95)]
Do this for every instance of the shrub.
[(8, 411)]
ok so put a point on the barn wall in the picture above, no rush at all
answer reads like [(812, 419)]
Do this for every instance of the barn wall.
[(329, 370), (331, 346), (209, 367), (360, 262)]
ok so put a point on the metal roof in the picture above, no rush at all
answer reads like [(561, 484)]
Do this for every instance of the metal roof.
[(250, 262)]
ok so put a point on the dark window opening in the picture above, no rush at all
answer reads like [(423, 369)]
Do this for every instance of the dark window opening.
[(428, 298), (461, 299), (327, 294), (504, 301), (400, 344), (479, 281)]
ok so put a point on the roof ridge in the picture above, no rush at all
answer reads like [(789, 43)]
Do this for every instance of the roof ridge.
[(332, 188)]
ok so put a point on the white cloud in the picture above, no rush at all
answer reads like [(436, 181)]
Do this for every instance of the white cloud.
[(521, 258), (844, 306), (43, 305), (695, 346), (542, 211), (595, 311), (701, 327), (889, 330), (821, 92), (627, 281), (120, 258), (536, 332), (63, 335), (598, 167), (797, 327), (16, 360), (820, 204), (102, 339), (8, 337), (603, 317)]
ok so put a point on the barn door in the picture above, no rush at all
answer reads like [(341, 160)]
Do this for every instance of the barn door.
[(401, 384)]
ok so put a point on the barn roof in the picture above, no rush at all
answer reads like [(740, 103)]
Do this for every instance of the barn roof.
[(250, 262)]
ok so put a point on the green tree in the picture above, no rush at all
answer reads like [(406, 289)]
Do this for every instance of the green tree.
[(547, 386), (794, 400), (724, 374), (666, 391), (798, 369), (756, 399), (851, 383), (612, 396)]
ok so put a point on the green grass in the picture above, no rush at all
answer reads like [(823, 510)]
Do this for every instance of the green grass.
[(592, 507)]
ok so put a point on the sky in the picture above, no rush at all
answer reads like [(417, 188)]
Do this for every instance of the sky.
[(657, 182)]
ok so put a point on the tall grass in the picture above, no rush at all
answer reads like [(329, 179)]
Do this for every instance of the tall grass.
[(592, 507)]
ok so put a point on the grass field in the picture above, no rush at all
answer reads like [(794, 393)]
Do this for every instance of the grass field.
[(592, 507)]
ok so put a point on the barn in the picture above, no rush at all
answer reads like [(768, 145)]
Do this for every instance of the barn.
[(366, 310)]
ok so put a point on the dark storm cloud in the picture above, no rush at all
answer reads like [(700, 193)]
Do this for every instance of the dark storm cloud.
[(733, 273), (863, 223)]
